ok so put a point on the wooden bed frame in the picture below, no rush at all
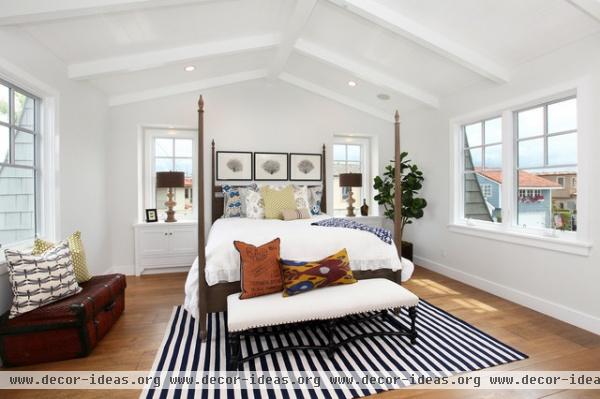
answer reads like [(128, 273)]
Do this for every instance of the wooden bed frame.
[(214, 298)]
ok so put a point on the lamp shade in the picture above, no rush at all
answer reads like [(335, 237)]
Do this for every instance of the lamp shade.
[(170, 179), (350, 180)]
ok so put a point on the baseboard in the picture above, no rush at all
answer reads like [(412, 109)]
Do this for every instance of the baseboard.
[(128, 270), (553, 309)]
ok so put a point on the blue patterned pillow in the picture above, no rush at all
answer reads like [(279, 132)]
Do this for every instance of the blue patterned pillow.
[(314, 199), (234, 204)]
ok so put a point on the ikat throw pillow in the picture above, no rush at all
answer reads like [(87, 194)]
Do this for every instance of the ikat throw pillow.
[(38, 280), (299, 277), (260, 273)]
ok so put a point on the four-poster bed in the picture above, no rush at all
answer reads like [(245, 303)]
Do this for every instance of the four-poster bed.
[(213, 298)]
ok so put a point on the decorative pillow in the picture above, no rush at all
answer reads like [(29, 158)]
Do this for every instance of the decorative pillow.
[(255, 206), (301, 196), (38, 280), (314, 199), (299, 277), (77, 254), (260, 273), (293, 214), (234, 200), (277, 200)]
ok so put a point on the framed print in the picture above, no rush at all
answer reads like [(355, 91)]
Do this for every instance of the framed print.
[(151, 215), (305, 167), (234, 165), (270, 166)]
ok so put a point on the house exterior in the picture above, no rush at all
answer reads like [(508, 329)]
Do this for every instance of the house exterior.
[(566, 196), (535, 197)]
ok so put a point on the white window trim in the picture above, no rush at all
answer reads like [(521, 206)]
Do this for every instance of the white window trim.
[(577, 243), (366, 166), (48, 199), (148, 133)]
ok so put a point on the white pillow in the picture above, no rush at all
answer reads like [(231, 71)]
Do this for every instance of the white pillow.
[(255, 206), (38, 280)]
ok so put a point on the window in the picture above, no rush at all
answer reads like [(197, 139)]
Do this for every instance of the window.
[(532, 182), (482, 150), (170, 150), (19, 116), (486, 189), (350, 155), (546, 140)]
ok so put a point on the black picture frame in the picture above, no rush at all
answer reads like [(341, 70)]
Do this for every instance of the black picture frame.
[(309, 176), (260, 174), (232, 175), (151, 215)]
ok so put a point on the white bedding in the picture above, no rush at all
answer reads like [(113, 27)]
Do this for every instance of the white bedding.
[(299, 241)]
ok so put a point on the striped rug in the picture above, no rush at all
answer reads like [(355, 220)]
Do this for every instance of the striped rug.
[(445, 346)]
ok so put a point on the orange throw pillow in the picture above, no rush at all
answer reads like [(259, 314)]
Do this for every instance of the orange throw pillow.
[(260, 273)]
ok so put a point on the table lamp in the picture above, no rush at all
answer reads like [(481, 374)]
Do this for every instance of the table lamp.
[(350, 180), (170, 180)]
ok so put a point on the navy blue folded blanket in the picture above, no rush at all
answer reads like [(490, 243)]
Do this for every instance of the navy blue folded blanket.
[(381, 233)]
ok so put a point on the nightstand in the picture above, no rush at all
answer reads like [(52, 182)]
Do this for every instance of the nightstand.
[(161, 246)]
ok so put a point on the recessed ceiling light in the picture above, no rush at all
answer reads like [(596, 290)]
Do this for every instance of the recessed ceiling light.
[(351, 83), (189, 68), (383, 96)]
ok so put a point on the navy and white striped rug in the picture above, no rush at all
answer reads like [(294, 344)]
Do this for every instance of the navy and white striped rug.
[(445, 346)]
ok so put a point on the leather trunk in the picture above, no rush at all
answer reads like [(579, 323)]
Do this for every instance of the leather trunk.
[(64, 329)]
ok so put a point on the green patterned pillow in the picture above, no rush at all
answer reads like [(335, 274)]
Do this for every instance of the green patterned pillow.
[(277, 200), (82, 273)]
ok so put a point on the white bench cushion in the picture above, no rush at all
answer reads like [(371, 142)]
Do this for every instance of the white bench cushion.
[(320, 304)]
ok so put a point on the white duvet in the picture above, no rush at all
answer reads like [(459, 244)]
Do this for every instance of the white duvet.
[(299, 241)]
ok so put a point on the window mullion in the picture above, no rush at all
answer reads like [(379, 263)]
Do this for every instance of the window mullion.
[(546, 135), (508, 192)]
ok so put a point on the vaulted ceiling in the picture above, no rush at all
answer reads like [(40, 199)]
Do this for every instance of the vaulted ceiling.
[(400, 53)]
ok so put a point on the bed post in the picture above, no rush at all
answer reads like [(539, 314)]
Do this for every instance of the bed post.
[(324, 179), (397, 193), (202, 286)]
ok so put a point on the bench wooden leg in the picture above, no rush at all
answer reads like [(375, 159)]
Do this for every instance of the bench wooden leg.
[(234, 351), (331, 346), (412, 313)]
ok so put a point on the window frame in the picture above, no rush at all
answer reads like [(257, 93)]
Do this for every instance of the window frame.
[(13, 128), (365, 167), (508, 231), (48, 205), (149, 134)]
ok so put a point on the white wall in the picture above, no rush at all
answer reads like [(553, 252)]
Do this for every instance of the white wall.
[(82, 120), (253, 116), (559, 284)]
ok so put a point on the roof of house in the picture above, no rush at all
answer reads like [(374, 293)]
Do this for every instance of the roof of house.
[(526, 179)]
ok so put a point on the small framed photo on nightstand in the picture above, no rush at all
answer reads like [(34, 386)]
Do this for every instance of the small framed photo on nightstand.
[(151, 215)]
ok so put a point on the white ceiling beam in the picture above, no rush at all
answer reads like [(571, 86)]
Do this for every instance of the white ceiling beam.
[(15, 12), (335, 96), (434, 41), (154, 59), (590, 7), (188, 87), (367, 73), (293, 29)]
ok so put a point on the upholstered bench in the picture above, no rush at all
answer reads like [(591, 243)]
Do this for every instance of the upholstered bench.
[(325, 306), (68, 328)]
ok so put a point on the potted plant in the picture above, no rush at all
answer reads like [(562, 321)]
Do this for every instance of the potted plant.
[(412, 205)]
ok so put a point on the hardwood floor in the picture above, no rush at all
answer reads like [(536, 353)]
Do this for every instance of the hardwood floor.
[(551, 344)]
